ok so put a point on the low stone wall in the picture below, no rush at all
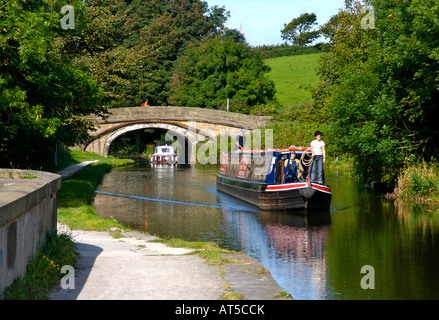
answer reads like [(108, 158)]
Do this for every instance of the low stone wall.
[(28, 210), (170, 113)]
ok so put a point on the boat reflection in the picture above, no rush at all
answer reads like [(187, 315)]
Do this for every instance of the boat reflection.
[(289, 243)]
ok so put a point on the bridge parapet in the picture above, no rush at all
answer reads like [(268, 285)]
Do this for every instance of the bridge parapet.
[(169, 113)]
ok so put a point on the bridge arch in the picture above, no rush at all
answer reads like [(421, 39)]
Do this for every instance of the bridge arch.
[(192, 124), (191, 136)]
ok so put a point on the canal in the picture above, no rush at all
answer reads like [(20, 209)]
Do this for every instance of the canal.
[(318, 256)]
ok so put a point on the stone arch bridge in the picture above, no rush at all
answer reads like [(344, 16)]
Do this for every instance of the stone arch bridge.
[(192, 124)]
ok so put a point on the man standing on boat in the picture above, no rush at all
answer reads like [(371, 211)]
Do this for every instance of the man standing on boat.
[(318, 150), (240, 141)]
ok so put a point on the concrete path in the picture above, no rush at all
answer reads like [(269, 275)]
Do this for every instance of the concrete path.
[(133, 268), (67, 172)]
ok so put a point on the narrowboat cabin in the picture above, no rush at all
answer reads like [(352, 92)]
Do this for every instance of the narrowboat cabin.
[(273, 180)]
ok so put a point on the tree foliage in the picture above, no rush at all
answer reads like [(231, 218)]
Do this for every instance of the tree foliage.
[(43, 98), (300, 30), (218, 69), (380, 85), (165, 29)]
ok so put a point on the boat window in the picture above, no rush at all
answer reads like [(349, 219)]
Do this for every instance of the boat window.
[(165, 150), (257, 169)]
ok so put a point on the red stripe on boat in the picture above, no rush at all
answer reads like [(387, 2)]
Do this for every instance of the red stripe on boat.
[(281, 187), (321, 188)]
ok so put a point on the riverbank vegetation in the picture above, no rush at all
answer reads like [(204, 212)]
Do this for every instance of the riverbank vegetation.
[(378, 86), (418, 183), (375, 97)]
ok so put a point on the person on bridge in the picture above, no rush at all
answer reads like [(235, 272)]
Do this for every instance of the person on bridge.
[(145, 104)]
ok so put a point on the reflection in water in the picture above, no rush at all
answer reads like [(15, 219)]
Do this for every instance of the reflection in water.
[(300, 243), (290, 246), (160, 200), (315, 256)]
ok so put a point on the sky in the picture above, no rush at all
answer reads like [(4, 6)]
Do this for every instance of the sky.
[(261, 21)]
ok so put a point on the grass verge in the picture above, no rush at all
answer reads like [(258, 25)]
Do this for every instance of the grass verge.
[(209, 251), (77, 193), (418, 183)]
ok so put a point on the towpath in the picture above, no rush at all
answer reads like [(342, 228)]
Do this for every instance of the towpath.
[(68, 171)]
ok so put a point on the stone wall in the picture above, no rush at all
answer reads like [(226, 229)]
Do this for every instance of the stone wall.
[(168, 113), (28, 210)]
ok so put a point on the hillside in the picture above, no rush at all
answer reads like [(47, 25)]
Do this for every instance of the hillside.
[(289, 73)]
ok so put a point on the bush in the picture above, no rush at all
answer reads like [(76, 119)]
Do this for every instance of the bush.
[(282, 50), (419, 183)]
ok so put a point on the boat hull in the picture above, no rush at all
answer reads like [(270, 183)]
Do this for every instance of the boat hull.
[(299, 196), (163, 159)]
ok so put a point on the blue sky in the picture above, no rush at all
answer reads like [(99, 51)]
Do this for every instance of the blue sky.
[(261, 20)]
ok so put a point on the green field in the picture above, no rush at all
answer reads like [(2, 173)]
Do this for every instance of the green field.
[(289, 73)]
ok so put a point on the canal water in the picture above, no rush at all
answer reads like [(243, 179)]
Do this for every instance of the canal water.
[(366, 247)]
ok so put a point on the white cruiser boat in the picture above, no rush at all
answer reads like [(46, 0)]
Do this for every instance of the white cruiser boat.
[(164, 154)]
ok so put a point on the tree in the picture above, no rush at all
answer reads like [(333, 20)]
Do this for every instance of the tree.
[(43, 98), (380, 86), (330, 28), (218, 69), (299, 30), (168, 26), (131, 49)]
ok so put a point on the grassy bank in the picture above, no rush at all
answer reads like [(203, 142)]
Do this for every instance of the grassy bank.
[(77, 193), (291, 74), (211, 252), (418, 183)]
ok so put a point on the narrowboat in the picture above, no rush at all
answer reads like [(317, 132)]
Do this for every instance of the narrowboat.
[(164, 154), (273, 180)]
